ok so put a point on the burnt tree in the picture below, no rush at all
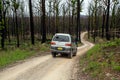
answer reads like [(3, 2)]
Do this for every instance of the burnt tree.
[(43, 25), (31, 23)]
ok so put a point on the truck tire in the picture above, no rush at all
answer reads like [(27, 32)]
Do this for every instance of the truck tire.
[(75, 53), (70, 55), (54, 55)]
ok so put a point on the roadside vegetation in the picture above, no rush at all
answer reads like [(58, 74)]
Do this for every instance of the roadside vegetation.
[(12, 54), (102, 62)]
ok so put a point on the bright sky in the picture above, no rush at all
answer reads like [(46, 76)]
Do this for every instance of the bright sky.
[(85, 7)]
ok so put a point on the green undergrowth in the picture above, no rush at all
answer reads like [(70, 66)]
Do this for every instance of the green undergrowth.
[(11, 54), (8, 57), (102, 62), (97, 39)]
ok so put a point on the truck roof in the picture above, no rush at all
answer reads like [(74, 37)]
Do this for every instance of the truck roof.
[(62, 34)]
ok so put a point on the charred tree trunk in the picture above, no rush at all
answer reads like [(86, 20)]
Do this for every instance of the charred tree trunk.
[(5, 28), (78, 28), (89, 26), (43, 22), (31, 23), (2, 28), (9, 32), (103, 25), (69, 23), (107, 21), (63, 28), (17, 30)]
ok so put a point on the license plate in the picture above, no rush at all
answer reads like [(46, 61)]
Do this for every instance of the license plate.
[(59, 48)]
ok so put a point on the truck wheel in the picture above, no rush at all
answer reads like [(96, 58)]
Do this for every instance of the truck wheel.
[(54, 54), (70, 55), (75, 53)]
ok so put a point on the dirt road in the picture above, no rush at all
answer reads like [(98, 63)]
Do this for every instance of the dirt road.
[(46, 67)]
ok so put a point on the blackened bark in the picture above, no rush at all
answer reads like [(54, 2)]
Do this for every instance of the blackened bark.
[(103, 24), (2, 28), (31, 23), (17, 29), (78, 28), (69, 22), (5, 28), (13, 29), (49, 24), (89, 27), (56, 23), (72, 22), (107, 21), (43, 22), (9, 32), (63, 29), (95, 27), (92, 29), (3, 38)]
